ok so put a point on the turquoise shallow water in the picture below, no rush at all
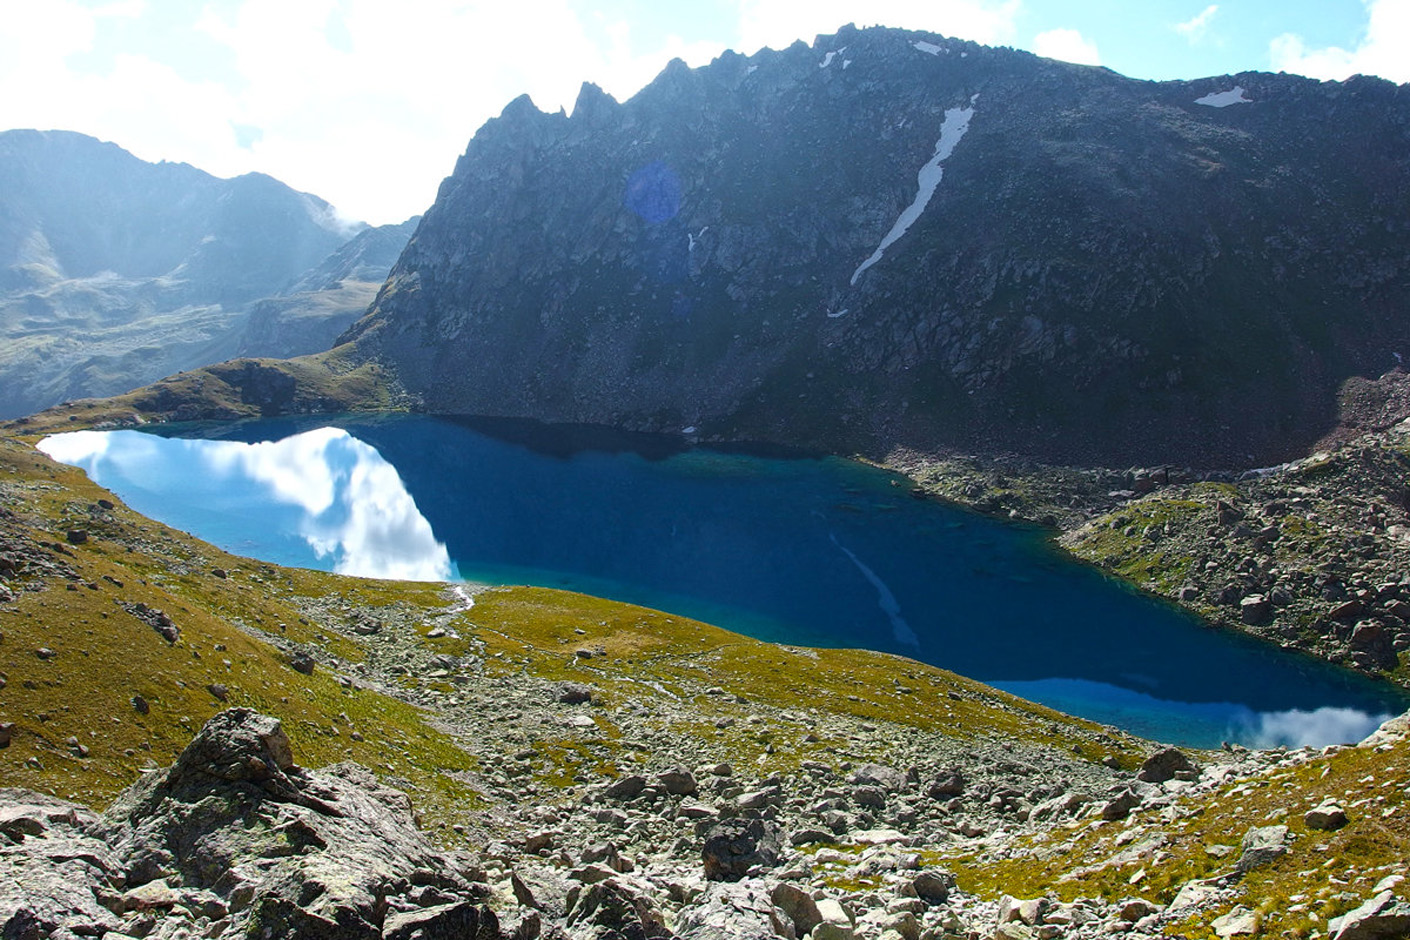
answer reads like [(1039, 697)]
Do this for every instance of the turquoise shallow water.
[(811, 551)]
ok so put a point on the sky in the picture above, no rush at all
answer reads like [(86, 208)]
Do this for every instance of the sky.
[(368, 103)]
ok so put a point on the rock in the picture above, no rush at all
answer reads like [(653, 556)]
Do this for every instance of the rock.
[(799, 905), (7, 733), (237, 744), (331, 845), (678, 781), (1194, 894), (301, 662), (1120, 806), (571, 693), (880, 837), (946, 786), (735, 911), (55, 880), (1327, 816), (542, 889), (76, 536), (139, 705), (834, 916), (1134, 909), (1391, 731), (694, 809), (626, 788), (758, 799), (810, 836), (218, 692), (460, 920), (1238, 922), (1262, 846), (870, 797), (1255, 609), (1167, 764), (609, 910), (735, 846), (1371, 639), (933, 885), (1382, 917), (1027, 911), (539, 841), (878, 775)]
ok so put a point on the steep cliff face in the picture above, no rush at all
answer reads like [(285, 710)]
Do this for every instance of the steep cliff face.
[(894, 238)]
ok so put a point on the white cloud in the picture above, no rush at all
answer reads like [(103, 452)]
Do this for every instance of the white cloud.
[(777, 23), (1068, 45), (1195, 28), (1380, 52), (364, 103)]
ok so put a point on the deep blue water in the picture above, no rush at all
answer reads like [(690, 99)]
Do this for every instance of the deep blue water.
[(809, 551)]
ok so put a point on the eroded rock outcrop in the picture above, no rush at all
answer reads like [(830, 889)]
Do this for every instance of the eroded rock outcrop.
[(235, 839)]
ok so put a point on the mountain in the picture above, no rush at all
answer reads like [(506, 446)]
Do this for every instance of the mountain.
[(895, 240), (309, 315), (115, 271)]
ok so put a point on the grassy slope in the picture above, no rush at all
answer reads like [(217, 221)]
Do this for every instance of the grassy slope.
[(233, 629), (328, 382), (103, 655)]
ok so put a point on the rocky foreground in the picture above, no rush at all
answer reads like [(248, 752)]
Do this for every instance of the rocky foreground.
[(235, 839)]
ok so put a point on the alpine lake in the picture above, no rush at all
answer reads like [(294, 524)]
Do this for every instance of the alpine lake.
[(805, 551)]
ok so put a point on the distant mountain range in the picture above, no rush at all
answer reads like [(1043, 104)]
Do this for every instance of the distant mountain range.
[(891, 239), (115, 272)]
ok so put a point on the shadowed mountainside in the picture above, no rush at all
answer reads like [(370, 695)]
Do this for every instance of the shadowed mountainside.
[(893, 239)]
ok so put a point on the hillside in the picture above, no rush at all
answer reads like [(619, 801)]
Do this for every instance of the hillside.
[(579, 762), (892, 239), (115, 272)]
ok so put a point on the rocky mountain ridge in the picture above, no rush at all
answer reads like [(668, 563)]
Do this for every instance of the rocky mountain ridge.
[(115, 272), (893, 239)]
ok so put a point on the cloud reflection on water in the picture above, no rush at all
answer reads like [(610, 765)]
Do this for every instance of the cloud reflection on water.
[(352, 508), (1151, 716)]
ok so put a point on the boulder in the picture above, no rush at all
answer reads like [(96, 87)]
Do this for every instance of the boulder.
[(878, 775), (735, 846), (678, 781), (1120, 806), (1326, 816), (52, 880), (933, 886), (234, 832), (610, 910), (1167, 764), (1255, 609), (798, 904), (742, 910), (571, 693), (1382, 917), (1262, 845), (626, 788), (460, 920), (947, 785)]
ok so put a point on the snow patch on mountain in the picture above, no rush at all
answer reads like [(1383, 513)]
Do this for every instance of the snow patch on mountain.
[(952, 129)]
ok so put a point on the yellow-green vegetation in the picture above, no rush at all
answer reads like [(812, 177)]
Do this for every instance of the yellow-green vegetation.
[(1323, 874), (1129, 543), (78, 665), (619, 649), (329, 382), (98, 656)]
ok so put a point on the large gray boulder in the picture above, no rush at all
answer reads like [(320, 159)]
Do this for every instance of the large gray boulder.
[(236, 840), (734, 847)]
